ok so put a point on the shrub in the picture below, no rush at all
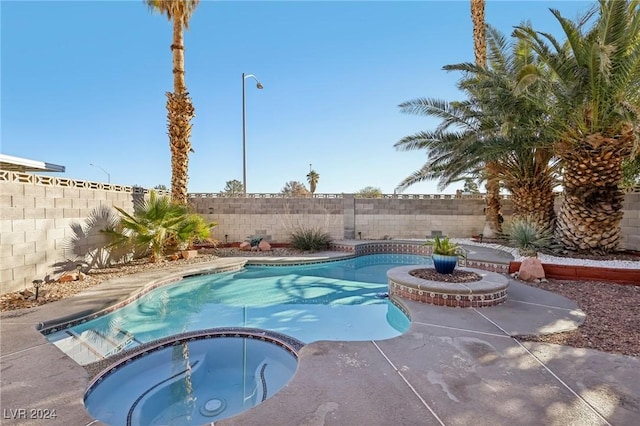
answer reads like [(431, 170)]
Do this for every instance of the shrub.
[(156, 225), (445, 247), (254, 240), (310, 239), (529, 237)]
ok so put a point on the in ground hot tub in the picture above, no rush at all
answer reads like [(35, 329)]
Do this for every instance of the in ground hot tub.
[(194, 379)]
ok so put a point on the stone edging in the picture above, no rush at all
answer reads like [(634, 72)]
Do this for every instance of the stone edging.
[(491, 290), (593, 273)]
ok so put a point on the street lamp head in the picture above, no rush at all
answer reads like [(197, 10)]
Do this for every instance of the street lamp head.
[(259, 85)]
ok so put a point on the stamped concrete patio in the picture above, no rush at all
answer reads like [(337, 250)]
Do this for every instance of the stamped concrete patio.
[(455, 366)]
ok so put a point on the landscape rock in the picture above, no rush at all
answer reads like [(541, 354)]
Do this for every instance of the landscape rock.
[(68, 277), (245, 245), (264, 246), (531, 270)]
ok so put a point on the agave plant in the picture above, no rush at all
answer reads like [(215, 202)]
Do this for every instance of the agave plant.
[(445, 247), (529, 237)]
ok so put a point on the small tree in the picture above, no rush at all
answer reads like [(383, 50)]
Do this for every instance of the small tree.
[(369, 192), (160, 188), (232, 188), (294, 189)]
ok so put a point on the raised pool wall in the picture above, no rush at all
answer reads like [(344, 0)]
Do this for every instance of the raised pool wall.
[(36, 212)]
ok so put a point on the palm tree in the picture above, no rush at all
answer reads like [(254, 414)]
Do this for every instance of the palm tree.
[(312, 178), (492, 223), (499, 128), (596, 74), (180, 109)]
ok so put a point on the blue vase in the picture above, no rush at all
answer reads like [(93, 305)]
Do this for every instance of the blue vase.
[(444, 264)]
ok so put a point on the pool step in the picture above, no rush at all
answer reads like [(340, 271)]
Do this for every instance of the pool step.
[(91, 345)]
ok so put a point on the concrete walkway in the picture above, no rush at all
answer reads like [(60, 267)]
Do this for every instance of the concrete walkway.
[(453, 367)]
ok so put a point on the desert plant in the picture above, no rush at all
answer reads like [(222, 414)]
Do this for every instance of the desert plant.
[(445, 254), (157, 224), (254, 240), (192, 228), (529, 237), (445, 247), (310, 239)]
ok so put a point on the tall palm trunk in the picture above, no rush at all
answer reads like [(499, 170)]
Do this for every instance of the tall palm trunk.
[(492, 225), (180, 111), (591, 210), (479, 39), (492, 211)]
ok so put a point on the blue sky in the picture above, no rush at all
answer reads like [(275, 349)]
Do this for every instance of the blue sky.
[(84, 82)]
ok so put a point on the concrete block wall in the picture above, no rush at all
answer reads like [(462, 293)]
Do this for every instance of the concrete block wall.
[(36, 213), (238, 218), (418, 218), (35, 224)]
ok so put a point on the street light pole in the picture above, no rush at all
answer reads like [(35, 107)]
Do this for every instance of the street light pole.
[(106, 172), (244, 130)]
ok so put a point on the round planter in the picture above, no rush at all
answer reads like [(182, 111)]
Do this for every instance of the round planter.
[(444, 264)]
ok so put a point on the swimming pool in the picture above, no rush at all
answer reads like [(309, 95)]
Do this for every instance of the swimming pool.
[(325, 301)]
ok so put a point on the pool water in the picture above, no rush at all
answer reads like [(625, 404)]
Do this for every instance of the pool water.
[(326, 301), (192, 383)]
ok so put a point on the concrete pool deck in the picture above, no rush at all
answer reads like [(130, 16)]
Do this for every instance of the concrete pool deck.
[(455, 366)]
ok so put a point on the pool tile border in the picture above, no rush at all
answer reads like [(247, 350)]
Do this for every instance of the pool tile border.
[(102, 369), (404, 247), (491, 290)]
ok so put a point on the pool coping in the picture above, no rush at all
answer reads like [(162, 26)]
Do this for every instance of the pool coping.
[(35, 374)]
